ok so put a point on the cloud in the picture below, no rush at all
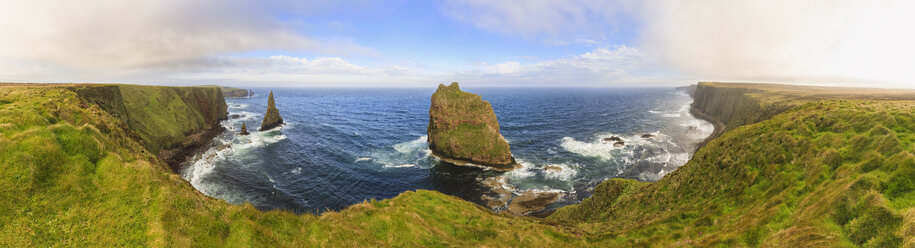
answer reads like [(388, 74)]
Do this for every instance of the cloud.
[(299, 71), (110, 35), (819, 41), (802, 41), (559, 22), (608, 66)]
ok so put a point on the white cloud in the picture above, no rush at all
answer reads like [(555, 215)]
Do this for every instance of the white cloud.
[(558, 22), (111, 35), (843, 41), (816, 41), (616, 65)]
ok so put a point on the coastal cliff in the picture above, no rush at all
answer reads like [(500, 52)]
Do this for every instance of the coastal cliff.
[(171, 122), (463, 129), (229, 92), (834, 171)]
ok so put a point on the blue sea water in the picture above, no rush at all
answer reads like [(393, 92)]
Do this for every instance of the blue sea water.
[(345, 146)]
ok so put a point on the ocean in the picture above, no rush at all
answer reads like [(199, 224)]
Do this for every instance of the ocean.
[(345, 146)]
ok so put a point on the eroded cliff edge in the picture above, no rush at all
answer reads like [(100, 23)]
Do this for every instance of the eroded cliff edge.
[(464, 130), (170, 122)]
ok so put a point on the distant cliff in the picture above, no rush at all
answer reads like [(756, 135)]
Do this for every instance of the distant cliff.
[(169, 121), (463, 129), (235, 92)]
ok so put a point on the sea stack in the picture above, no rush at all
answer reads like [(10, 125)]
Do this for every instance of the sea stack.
[(272, 118), (463, 130), (244, 129)]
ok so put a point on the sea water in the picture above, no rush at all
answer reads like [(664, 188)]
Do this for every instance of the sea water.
[(344, 146)]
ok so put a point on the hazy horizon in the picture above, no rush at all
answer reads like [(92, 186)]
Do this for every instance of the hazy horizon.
[(481, 44)]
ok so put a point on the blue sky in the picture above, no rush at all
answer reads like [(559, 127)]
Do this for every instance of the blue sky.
[(480, 43)]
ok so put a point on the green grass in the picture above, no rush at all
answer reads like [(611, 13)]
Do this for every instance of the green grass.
[(823, 173)]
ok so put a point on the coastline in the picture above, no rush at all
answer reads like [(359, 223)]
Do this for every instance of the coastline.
[(718, 124)]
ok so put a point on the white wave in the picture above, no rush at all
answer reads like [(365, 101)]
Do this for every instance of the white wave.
[(526, 170), (600, 149), (405, 154), (259, 141), (564, 173), (400, 166), (297, 170), (238, 106), (411, 146)]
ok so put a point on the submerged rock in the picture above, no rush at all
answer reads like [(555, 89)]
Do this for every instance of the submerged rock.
[(463, 130), (244, 129), (272, 118), (552, 168), (648, 135), (613, 138), (619, 144)]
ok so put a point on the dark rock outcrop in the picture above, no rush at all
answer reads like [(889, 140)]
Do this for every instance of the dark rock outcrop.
[(612, 138), (244, 129), (272, 118), (530, 201), (463, 130)]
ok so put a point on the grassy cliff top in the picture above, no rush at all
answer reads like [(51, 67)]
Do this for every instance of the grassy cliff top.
[(833, 173), (464, 127)]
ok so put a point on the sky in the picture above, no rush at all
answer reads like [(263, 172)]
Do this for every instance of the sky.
[(479, 43)]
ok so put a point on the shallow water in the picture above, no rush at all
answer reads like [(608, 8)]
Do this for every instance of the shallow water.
[(344, 146)]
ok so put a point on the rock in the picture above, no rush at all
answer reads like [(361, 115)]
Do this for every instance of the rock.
[(497, 192), (463, 130), (236, 116), (530, 201), (612, 138), (552, 168), (648, 135), (244, 129), (619, 144), (272, 118)]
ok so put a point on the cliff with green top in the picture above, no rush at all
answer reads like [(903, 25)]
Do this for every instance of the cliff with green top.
[(835, 169), (169, 121), (464, 129)]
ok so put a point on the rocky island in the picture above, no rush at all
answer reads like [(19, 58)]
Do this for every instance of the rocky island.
[(272, 118), (463, 130)]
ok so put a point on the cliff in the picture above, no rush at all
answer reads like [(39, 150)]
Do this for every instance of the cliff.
[(272, 117), (463, 129), (798, 167), (229, 92), (835, 171), (171, 122)]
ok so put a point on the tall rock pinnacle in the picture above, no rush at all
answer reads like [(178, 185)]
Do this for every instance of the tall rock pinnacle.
[(463, 130), (272, 118), (244, 129)]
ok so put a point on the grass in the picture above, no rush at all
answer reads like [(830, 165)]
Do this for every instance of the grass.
[(835, 173)]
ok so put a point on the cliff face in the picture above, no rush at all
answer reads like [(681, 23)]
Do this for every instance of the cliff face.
[(463, 129), (272, 118), (169, 121)]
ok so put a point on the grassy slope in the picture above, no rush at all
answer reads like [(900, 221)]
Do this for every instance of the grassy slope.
[(66, 183), (828, 173)]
